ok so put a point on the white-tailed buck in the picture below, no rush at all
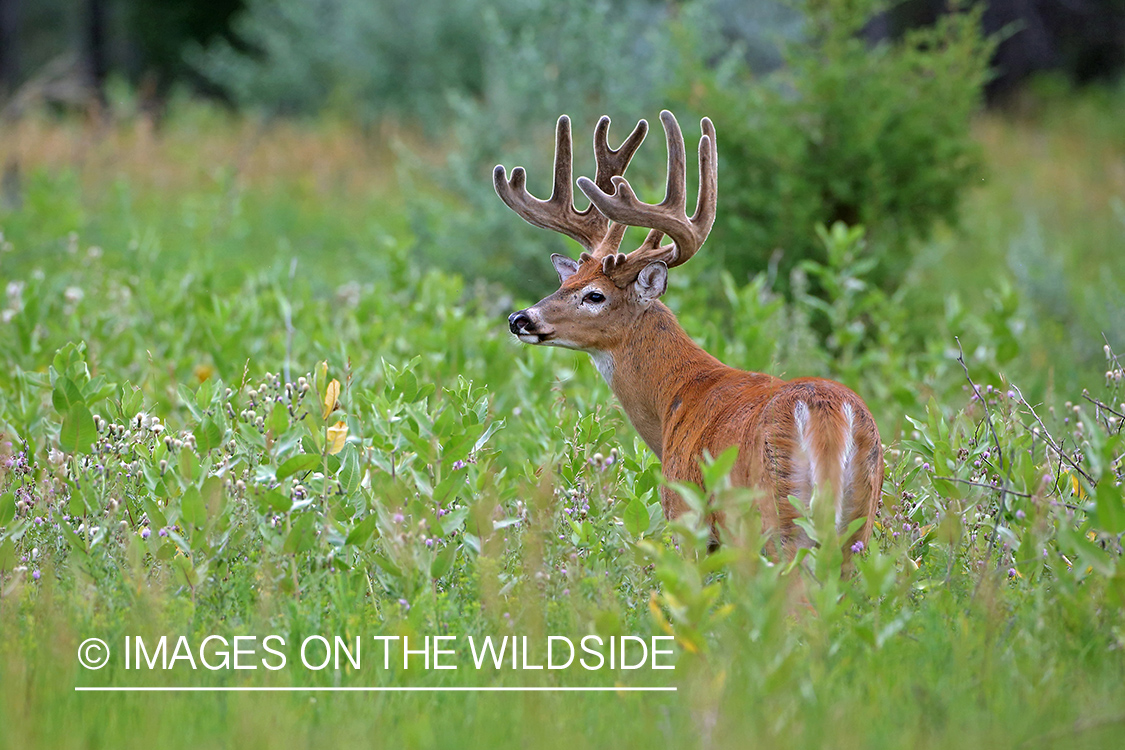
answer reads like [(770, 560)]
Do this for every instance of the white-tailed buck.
[(792, 435)]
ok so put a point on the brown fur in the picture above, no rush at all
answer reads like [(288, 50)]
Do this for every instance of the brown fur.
[(793, 436), (683, 401)]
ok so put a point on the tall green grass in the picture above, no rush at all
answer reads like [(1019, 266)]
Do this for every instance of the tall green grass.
[(486, 488)]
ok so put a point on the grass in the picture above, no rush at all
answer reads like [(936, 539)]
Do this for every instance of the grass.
[(151, 276)]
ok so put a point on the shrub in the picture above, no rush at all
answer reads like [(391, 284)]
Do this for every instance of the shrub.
[(845, 131)]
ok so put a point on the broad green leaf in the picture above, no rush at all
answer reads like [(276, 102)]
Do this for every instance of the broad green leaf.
[(192, 508), (302, 537), (636, 517), (715, 471), (273, 501), (65, 395), (454, 520), (7, 508), (213, 496), (363, 530), (443, 562), (78, 432), (299, 464), (208, 436), (350, 475), (1110, 504), (448, 486)]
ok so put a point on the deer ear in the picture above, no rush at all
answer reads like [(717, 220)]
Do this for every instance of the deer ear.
[(565, 266), (652, 281)]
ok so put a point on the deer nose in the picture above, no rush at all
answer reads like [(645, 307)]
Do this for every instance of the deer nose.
[(518, 321)]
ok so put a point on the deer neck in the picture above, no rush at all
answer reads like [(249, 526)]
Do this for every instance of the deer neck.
[(649, 368)]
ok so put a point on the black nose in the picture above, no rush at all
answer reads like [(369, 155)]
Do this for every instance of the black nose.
[(518, 321)]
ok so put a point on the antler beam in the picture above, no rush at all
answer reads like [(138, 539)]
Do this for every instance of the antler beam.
[(590, 228), (669, 217)]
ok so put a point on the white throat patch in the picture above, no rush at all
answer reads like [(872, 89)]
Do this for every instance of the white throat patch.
[(604, 362)]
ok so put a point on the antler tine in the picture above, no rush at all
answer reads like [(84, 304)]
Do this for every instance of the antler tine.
[(670, 215), (557, 213), (613, 162)]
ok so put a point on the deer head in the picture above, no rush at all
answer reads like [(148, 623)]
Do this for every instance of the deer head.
[(604, 291)]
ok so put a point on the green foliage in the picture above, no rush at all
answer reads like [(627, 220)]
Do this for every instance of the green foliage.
[(364, 59), (353, 444), (846, 132)]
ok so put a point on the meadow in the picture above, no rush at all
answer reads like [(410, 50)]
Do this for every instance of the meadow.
[(237, 399)]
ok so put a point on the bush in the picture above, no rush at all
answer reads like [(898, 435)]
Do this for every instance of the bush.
[(847, 132), (364, 59)]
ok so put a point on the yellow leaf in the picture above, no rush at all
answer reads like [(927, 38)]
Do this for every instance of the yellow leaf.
[(658, 615), (203, 372), (331, 395), (337, 435)]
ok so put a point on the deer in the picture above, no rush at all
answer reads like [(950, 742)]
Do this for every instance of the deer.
[(794, 437)]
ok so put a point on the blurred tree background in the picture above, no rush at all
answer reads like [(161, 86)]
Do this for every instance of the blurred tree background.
[(829, 110)]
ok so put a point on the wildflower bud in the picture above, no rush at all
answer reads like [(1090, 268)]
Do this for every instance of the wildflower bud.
[(163, 465)]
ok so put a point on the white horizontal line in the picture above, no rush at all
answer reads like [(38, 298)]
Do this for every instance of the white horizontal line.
[(411, 689)]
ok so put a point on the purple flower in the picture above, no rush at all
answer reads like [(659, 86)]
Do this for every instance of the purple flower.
[(1011, 572), (164, 532), (429, 542), (404, 604), (858, 547), (1020, 515), (145, 532), (458, 465), (399, 518), (35, 574)]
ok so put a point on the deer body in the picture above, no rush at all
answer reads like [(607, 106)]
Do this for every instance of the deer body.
[(794, 437)]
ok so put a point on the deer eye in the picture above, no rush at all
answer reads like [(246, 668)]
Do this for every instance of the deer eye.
[(594, 297)]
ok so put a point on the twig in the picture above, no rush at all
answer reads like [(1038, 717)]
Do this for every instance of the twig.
[(982, 484), (287, 312), (1051, 441), (1096, 402), (1005, 466)]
